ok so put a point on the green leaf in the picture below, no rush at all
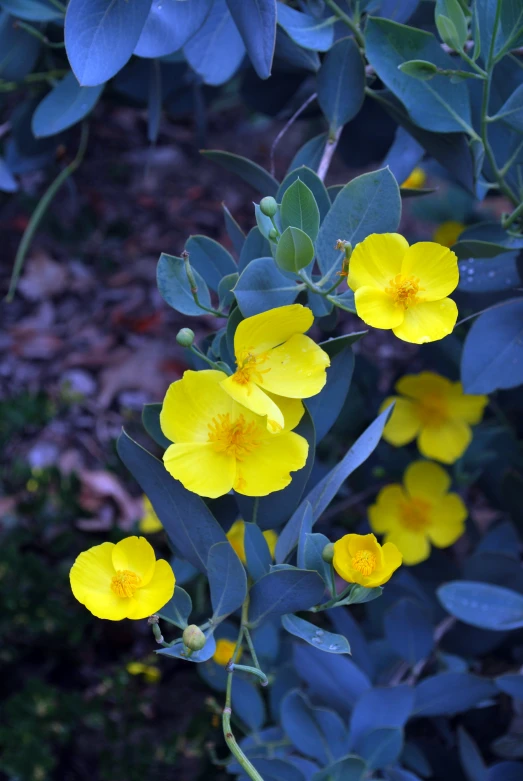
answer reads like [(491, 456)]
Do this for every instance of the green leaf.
[(315, 185), (217, 50), (151, 423), (179, 651), (300, 210), (187, 520), (284, 591), (458, 29), (476, 248), (492, 356), (294, 250), (174, 286), (511, 112), (169, 26), (381, 747), (418, 69), (435, 105), (235, 233), (350, 768), (319, 638), (500, 24), (33, 10), (256, 21), (178, 609), (210, 259), (341, 83), (446, 694), (307, 31), (310, 154), (262, 286), (227, 580), (482, 605), (66, 104), (257, 551), (255, 246), (225, 288), (371, 203), (312, 555), (250, 172), (447, 31), (408, 630)]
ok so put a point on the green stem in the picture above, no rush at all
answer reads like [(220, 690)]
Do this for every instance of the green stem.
[(196, 351), (194, 287), (340, 13), (310, 284), (255, 508), (252, 649), (40, 211), (252, 670), (334, 601), (464, 56), (516, 214), (334, 301), (38, 34)]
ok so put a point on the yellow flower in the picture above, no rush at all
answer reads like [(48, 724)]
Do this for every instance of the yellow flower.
[(405, 288), (437, 412), (122, 580), (149, 522), (236, 536), (275, 359), (221, 445), (359, 558), (448, 233), (419, 512), (224, 651), (415, 179), (150, 673)]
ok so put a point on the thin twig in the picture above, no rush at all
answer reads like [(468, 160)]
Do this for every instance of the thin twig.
[(328, 153), (289, 124)]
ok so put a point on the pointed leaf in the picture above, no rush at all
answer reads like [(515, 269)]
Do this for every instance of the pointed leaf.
[(256, 21), (318, 638), (341, 83), (284, 591), (227, 580), (250, 172)]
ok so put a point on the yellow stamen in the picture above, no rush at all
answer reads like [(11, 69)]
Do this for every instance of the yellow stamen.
[(233, 437), (415, 514), (404, 290), (125, 583), (248, 368), (365, 562)]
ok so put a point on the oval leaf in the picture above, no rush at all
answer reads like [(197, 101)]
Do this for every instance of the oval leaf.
[(256, 21), (408, 630), (448, 693), (216, 51), (294, 250), (341, 83), (318, 638), (210, 259), (64, 106), (262, 286), (284, 591), (300, 210), (483, 605), (250, 172), (175, 289), (170, 25), (178, 609)]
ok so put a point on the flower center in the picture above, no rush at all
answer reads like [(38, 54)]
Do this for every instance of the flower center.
[(233, 437), (404, 290), (432, 409), (364, 561), (247, 364), (125, 583), (415, 514)]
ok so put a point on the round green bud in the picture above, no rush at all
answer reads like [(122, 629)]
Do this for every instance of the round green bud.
[(327, 553), (273, 234), (193, 637), (185, 337), (268, 206)]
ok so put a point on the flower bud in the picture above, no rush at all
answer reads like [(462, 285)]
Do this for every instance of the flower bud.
[(185, 337), (327, 553), (268, 206), (193, 637), (273, 234)]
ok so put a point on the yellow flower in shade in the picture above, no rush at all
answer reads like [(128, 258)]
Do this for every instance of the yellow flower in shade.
[(448, 233), (236, 536), (359, 558), (221, 445), (122, 580), (415, 179), (419, 512), (149, 522), (405, 288), (437, 412), (224, 651), (150, 673), (275, 359)]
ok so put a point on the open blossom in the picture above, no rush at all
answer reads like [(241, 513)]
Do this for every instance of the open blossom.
[(359, 558), (405, 288), (275, 359), (437, 412), (149, 522), (122, 580), (419, 512), (236, 536), (219, 445)]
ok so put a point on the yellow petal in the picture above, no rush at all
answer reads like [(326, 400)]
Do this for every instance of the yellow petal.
[(201, 469), (403, 425), (465, 406), (413, 546), (435, 266), (416, 386), (262, 332), (271, 539), (267, 468), (428, 321), (296, 368), (426, 480), (415, 179), (445, 443), (191, 403), (377, 308), (376, 260), (90, 579), (252, 397), (448, 232), (391, 560), (148, 600), (448, 521), (386, 513), (291, 409), (224, 651), (137, 555), (236, 537)]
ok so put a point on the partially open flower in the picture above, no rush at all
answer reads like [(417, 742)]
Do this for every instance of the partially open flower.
[(149, 522), (415, 179), (359, 558), (122, 580), (236, 536), (224, 651), (448, 233)]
